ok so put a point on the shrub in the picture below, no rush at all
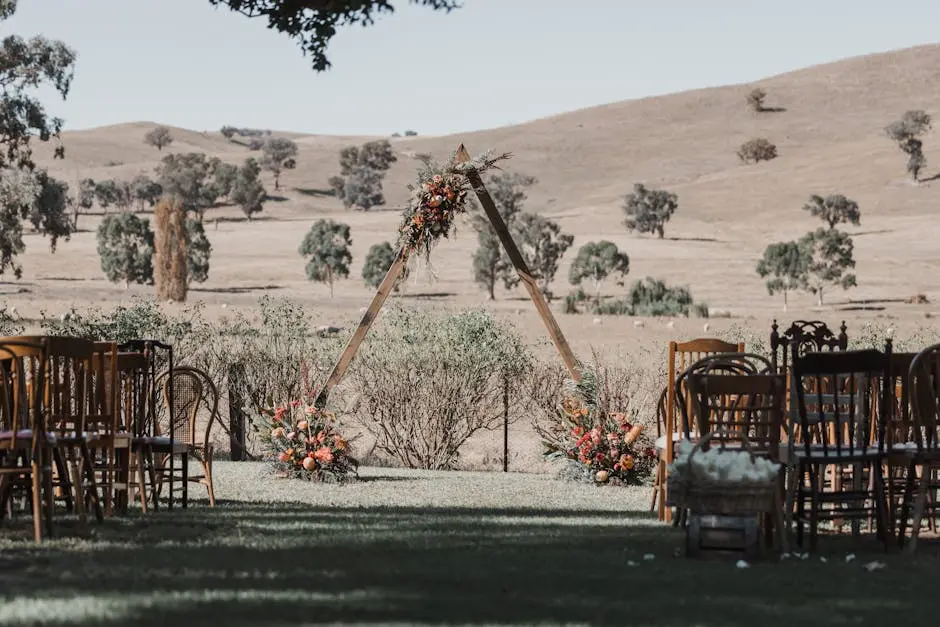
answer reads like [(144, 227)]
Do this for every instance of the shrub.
[(756, 150), (652, 297), (426, 382), (10, 323)]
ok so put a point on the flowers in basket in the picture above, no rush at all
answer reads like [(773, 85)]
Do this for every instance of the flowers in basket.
[(306, 444), (722, 465)]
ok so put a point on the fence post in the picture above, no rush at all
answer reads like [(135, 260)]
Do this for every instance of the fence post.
[(236, 413), (505, 423)]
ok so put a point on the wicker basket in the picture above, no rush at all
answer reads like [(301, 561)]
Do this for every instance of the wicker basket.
[(721, 497)]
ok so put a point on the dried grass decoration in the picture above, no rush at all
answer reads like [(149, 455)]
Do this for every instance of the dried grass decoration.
[(441, 195)]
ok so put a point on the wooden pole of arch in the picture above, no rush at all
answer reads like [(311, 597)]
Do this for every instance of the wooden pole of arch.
[(395, 271)]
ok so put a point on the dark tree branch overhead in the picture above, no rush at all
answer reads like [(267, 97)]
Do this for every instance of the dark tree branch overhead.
[(314, 22)]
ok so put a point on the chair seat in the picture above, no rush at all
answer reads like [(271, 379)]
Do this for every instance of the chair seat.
[(24, 434), (161, 443), (816, 452), (676, 438)]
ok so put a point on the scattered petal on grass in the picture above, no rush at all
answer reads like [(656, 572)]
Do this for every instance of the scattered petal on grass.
[(632, 563), (784, 556), (849, 557), (805, 556), (873, 566), (742, 564), (823, 559), (649, 556)]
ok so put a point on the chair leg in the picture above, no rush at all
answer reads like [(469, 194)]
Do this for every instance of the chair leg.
[(814, 508), (141, 483), (89, 472), (36, 481), (207, 471), (919, 508), (64, 479), (184, 460), (906, 502), (885, 530), (78, 491), (655, 488), (47, 490)]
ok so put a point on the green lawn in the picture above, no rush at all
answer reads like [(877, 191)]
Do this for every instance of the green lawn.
[(284, 562)]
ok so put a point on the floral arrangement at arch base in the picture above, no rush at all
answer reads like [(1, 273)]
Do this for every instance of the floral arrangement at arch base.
[(601, 446), (306, 444), (440, 196)]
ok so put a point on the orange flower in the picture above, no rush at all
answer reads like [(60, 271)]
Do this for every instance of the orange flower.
[(626, 462), (277, 432), (341, 444), (435, 201), (324, 454), (449, 192), (302, 425)]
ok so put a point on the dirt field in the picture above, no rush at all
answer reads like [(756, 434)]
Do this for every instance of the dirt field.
[(830, 139)]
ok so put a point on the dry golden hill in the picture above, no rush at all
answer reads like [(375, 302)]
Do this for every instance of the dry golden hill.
[(830, 139)]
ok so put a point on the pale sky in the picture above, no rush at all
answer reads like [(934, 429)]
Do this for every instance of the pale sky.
[(491, 63)]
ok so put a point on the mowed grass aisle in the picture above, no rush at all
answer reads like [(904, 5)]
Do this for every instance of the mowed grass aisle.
[(433, 548)]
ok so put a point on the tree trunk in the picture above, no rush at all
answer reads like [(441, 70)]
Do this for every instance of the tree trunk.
[(277, 182), (785, 303), (819, 297), (492, 288), (329, 278)]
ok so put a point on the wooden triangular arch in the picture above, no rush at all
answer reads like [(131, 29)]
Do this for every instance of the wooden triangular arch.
[(398, 266)]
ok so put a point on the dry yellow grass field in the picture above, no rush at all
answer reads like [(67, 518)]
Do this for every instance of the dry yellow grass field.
[(830, 140)]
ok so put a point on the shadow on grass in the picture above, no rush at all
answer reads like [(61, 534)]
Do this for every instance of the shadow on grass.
[(244, 564)]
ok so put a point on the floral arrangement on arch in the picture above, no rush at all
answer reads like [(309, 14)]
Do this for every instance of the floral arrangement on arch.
[(440, 196), (306, 444), (603, 446)]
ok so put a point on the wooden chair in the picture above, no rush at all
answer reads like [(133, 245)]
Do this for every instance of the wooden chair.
[(837, 420), (743, 408), (67, 384), (25, 445), (924, 461), (133, 371), (681, 356), (189, 394), (108, 445)]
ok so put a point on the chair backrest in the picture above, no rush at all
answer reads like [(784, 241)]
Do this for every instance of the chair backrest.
[(900, 421), (925, 403), (67, 383), (719, 363), (834, 404), (22, 371), (811, 336), (101, 415), (681, 356), (133, 374), (189, 393), (745, 407)]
